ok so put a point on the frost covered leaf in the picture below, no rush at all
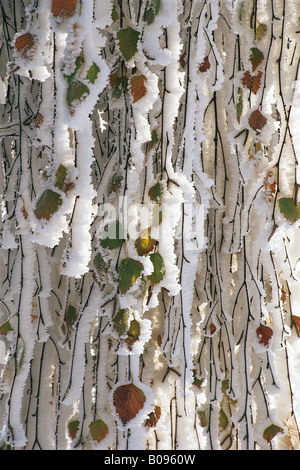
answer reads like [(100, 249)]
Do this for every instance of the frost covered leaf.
[(78, 64), (289, 209), (99, 263), (129, 270), (60, 177), (256, 57), (48, 204), (261, 31), (98, 430), (138, 88), (71, 315), (114, 184), (264, 334), (92, 73), (5, 328), (225, 385), (154, 417), (133, 333), (252, 81), (114, 238), (24, 44), (152, 11), (120, 321), (114, 14), (76, 91), (155, 192), (271, 431), (73, 427), (118, 83), (63, 8), (153, 141), (128, 39), (239, 105), (159, 268), (144, 244), (257, 120), (128, 401), (223, 419), (196, 381), (203, 418), (205, 65)]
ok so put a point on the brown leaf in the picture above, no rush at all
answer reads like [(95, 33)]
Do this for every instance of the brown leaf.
[(138, 88), (24, 44), (252, 82), (63, 8), (154, 417), (128, 401), (264, 334), (257, 120), (256, 57), (205, 65), (212, 328), (182, 60)]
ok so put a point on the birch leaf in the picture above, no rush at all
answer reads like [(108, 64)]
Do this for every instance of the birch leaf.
[(223, 420), (129, 270), (155, 192), (257, 120), (133, 333), (271, 431), (60, 177), (98, 430), (264, 334), (289, 209), (114, 238), (256, 57), (159, 268), (63, 8), (205, 65), (76, 92), (154, 417), (296, 321), (252, 81), (99, 263), (152, 11), (114, 184), (92, 73), (120, 321), (138, 88), (128, 401), (78, 64), (145, 244), (47, 204), (5, 328), (203, 418), (128, 39), (261, 31), (239, 105), (24, 44), (71, 315), (73, 427), (153, 141)]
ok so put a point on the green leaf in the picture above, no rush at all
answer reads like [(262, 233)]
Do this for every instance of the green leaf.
[(239, 105), (223, 420), (256, 57), (129, 270), (155, 192), (115, 236), (133, 333), (114, 184), (98, 430), (60, 177), (261, 31), (203, 418), (289, 209), (225, 385), (152, 11), (99, 263), (71, 315), (5, 328), (144, 244), (159, 268), (76, 91), (271, 431), (73, 427), (128, 39), (120, 321), (114, 14), (92, 73), (78, 64), (47, 204), (153, 141)]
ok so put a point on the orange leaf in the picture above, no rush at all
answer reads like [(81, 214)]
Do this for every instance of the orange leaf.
[(252, 82), (138, 88), (128, 400), (257, 120), (63, 8), (264, 334), (24, 44), (205, 64)]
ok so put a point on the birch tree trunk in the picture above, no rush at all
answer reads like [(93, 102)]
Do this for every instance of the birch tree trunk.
[(150, 224)]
